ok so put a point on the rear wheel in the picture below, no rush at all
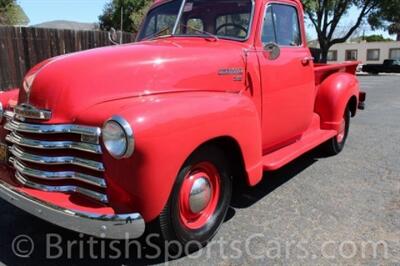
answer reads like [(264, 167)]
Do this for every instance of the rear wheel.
[(199, 201), (335, 145)]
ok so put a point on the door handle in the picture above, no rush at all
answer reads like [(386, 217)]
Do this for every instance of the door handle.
[(306, 60)]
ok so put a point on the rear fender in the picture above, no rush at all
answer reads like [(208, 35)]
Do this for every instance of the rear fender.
[(332, 98)]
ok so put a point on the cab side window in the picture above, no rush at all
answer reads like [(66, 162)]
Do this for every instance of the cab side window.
[(281, 25)]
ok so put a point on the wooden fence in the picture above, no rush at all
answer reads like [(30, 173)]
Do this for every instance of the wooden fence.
[(22, 47)]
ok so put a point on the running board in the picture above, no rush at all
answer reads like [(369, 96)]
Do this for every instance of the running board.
[(310, 140)]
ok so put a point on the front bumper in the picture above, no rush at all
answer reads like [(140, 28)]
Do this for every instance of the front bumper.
[(115, 226)]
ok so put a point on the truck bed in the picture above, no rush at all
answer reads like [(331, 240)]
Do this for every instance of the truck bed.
[(322, 71)]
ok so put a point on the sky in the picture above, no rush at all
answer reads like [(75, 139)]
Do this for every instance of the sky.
[(40, 11)]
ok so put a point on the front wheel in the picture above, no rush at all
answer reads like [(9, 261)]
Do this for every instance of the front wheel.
[(199, 201), (335, 145)]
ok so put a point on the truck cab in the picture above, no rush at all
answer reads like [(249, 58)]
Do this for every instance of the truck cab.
[(212, 94)]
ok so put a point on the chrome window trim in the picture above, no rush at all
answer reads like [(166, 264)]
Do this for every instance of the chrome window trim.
[(57, 176), (53, 145), (59, 160), (52, 129), (130, 141), (298, 21), (83, 191)]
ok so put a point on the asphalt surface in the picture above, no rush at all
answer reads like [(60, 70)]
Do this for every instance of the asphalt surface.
[(342, 210)]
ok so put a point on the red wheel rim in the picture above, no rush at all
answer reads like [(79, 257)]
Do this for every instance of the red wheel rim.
[(342, 131), (199, 195)]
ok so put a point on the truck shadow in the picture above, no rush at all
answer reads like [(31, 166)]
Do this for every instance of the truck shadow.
[(54, 245), (246, 196)]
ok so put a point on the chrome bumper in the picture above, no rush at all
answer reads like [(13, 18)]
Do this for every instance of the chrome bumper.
[(124, 226)]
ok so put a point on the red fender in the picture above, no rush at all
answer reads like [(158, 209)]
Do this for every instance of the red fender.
[(333, 96), (167, 129), (9, 98)]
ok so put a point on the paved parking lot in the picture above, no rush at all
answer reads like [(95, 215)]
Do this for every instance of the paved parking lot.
[(339, 210)]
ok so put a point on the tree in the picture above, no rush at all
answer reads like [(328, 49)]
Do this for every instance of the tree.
[(387, 17), (395, 29), (376, 38), (326, 16), (12, 14), (133, 12)]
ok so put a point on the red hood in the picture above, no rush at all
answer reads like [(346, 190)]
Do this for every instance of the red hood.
[(68, 85)]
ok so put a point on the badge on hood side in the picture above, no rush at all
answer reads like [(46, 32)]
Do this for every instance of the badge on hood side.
[(236, 72)]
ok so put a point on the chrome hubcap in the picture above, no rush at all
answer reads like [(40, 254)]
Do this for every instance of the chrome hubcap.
[(200, 195)]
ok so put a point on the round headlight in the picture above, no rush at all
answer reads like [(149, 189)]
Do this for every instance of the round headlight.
[(118, 137)]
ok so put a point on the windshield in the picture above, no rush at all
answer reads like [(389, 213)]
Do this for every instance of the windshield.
[(228, 19)]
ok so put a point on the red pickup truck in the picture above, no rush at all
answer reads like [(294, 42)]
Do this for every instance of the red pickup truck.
[(214, 92)]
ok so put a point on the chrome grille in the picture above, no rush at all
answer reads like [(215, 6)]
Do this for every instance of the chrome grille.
[(52, 145), (54, 158)]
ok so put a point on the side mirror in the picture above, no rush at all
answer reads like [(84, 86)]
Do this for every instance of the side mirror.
[(115, 37), (273, 50)]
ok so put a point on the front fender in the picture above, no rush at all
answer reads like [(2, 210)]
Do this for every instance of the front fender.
[(9, 98), (167, 129), (332, 98)]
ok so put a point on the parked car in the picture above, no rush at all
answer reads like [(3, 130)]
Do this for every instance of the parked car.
[(388, 66), (213, 93)]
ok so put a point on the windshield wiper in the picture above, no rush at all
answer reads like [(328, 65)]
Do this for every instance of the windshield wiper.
[(157, 34), (200, 31)]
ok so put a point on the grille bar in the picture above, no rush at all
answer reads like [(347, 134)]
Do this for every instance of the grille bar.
[(52, 129), (32, 148), (83, 191), (52, 145), (58, 160), (57, 176)]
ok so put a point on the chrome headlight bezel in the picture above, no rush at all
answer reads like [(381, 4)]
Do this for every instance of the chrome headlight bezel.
[(126, 133), (1, 112)]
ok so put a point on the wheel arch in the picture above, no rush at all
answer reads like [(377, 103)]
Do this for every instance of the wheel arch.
[(338, 91), (352, 104), (233, 152)]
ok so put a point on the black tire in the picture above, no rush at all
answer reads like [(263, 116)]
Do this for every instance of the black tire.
[(333, 146), (170, 224)]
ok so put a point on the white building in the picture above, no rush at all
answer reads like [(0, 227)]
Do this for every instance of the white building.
[(366, 52)]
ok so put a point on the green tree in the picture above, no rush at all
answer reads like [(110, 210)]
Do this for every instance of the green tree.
[(387, 17), (132, 11), (395, 29), (327, 15), (12, 14), (376, 38)]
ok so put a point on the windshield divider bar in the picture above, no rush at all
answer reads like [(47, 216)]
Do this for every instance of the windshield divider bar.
[(178, 18)]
